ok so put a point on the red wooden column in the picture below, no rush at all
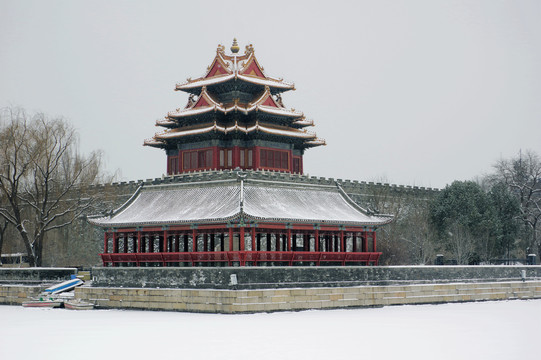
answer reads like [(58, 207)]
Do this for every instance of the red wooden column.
[(342, 248), (288, 239), (194, 240), (105, 243), (165, 238), (138, 241), (241, 238), (230, 239), (215, 157), (253, 239), (236, 157)]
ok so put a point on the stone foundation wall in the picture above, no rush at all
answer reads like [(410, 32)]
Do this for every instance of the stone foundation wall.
[(301, 277), (17, 294), (250, 301), (35, 275), (280, 289)]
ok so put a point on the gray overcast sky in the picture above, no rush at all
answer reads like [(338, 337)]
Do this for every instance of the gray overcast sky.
[(409, 92)]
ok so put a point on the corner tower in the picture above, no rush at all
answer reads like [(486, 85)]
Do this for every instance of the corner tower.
[(234, 118)]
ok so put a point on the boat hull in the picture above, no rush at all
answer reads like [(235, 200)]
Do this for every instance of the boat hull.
[(64, 286), (43, 303), (72, 305)]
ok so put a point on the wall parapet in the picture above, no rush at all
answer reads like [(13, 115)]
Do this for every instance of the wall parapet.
[(35, 275), (301, 277)]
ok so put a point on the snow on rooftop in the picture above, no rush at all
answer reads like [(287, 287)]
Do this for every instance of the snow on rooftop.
[(205, 82), (177, 133), (218, 201), (224, 78)]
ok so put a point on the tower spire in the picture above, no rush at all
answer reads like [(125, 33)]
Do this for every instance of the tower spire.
[(235, 47)]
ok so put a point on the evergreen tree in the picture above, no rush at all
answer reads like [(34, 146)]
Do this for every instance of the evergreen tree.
[(464, 219)]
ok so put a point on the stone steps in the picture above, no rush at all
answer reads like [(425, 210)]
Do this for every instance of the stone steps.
[(84, 275)]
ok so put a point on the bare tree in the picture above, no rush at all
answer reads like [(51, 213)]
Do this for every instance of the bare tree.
[(3, 227), (522, 175), (461, 243), (15, 157), (417, 232), (43, 177), (407, 240)]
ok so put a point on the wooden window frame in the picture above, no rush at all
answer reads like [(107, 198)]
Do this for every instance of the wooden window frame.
[(197, 159), (275, 159)]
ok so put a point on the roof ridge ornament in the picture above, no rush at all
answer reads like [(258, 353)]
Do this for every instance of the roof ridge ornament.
[(235, 47)]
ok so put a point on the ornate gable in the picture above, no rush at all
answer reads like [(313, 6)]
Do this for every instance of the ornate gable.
[(252, 68), (218, 67)]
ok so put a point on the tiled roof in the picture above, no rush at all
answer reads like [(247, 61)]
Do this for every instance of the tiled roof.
[(222, 201), (198, 83), (273, 130)]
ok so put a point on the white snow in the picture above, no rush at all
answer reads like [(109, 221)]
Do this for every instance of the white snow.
[(488, 330), (220, 201)]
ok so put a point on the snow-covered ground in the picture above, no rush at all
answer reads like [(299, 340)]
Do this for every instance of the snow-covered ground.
[(488, 330)]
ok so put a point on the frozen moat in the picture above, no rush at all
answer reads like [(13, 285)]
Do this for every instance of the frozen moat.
[(487, 330)]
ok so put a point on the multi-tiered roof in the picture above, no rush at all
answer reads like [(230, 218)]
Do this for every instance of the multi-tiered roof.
[(235, 119), (235, 105)]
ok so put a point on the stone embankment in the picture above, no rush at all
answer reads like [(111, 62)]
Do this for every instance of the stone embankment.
[(281, 289), (250, 301)]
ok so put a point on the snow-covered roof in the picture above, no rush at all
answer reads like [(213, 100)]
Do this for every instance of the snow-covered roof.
[(234, 68), (271, 82), (214, 105), (316, 142), (304, 122), (222, 201), (274, 130), (166, 122), (197, 83), (266, 82)]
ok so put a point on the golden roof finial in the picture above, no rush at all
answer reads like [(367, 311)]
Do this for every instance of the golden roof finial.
[(235, 47)]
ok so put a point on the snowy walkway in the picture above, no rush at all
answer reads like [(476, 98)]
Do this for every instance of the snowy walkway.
[(489, 330)]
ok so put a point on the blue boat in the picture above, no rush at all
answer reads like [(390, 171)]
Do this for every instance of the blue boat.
[(64, 286)]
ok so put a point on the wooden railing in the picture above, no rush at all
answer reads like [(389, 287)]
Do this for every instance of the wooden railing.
[(241, 257)]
